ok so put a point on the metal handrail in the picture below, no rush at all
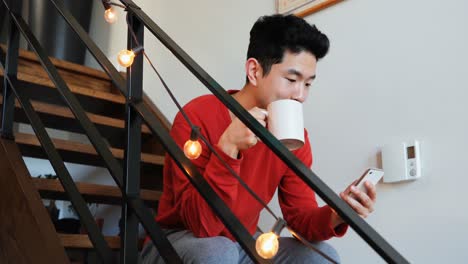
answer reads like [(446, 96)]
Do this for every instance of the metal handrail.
[(57, 163), (156, 234), (377, 242)]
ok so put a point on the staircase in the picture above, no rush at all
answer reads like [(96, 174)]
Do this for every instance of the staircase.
[(106, 109)]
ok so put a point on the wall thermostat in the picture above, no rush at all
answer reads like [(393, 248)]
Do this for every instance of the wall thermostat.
[(401, 161)]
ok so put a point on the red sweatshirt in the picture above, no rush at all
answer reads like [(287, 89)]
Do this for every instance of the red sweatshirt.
[(181, 206)]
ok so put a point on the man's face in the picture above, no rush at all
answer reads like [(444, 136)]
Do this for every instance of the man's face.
[(290, 79)]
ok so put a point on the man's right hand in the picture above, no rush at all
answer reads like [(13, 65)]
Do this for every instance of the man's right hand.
[(239, 137)]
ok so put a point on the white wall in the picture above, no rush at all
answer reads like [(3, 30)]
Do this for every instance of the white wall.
[(395, 72)]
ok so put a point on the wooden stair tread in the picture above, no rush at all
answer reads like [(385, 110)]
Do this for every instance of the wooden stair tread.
[(60, 144), (80, 79), (53, 189), (81, 241), (65, 112), (29, 55), (115, 98)]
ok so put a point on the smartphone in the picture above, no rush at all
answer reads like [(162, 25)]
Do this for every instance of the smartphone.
[(372, 175)]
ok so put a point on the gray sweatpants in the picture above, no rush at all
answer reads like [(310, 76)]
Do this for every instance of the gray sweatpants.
[(222, 250)]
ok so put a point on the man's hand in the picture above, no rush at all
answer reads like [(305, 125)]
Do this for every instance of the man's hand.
[(361, 202), (238, 137)]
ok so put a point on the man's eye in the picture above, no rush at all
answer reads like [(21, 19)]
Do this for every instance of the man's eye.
[(290, 80)]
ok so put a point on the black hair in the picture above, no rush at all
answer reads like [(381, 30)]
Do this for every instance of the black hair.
[(271, 36)]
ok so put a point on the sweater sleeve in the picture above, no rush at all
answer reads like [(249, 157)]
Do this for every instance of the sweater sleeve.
[(193, 210), (299, 205)]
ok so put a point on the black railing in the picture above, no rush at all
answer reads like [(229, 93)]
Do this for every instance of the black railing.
[(10, 71), (10, 86), (133, 146), (157, 235)]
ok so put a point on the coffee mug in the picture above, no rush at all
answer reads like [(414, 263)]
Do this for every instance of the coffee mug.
[(286, 122)]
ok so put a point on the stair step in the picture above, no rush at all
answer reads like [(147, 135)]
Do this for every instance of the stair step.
[(93, 193), (84, 153), (62, 118), (76, 89), (95, 94), (97, 102), (66, 113), (72, 73), (80, 241)]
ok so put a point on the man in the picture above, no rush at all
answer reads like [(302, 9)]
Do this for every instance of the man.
[(281, 64)]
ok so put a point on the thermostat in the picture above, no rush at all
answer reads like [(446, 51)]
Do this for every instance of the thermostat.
[(401, 161)]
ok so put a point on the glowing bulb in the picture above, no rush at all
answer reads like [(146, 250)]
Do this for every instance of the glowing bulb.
[(125, 58), (110, 16), (192, 149), (267, 245)]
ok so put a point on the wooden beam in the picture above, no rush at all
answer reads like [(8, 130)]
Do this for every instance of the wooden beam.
[(316, 8)]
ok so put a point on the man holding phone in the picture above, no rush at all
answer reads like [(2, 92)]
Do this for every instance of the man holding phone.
[(281, 64)]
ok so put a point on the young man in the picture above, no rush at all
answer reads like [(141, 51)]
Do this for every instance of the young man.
[(281, 64)]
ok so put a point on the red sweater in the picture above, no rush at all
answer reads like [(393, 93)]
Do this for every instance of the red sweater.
[(181, 206)]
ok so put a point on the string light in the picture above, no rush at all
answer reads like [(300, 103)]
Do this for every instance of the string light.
[(125, 57), (267, 244), (110, 16), (193, 148)]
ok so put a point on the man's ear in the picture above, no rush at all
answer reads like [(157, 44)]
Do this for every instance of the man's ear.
[(253, 70)]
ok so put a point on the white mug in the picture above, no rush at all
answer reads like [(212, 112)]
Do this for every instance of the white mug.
[(286, 122)]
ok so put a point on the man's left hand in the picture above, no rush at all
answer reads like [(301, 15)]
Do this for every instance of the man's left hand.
[(361, 202)]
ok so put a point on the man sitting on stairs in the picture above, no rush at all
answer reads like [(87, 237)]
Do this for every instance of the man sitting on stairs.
[(281, 64)]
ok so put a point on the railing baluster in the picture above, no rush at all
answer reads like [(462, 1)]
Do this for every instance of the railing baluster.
[(133, 145), (11, 70)]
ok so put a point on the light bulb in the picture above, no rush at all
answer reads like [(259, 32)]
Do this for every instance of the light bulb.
[(192, 149), (125, 58), (110, 16), (267, 245)]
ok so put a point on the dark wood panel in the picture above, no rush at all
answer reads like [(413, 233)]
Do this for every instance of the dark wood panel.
[(27, 234)]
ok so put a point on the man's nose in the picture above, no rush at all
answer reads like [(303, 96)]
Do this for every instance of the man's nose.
[(299, 94)]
